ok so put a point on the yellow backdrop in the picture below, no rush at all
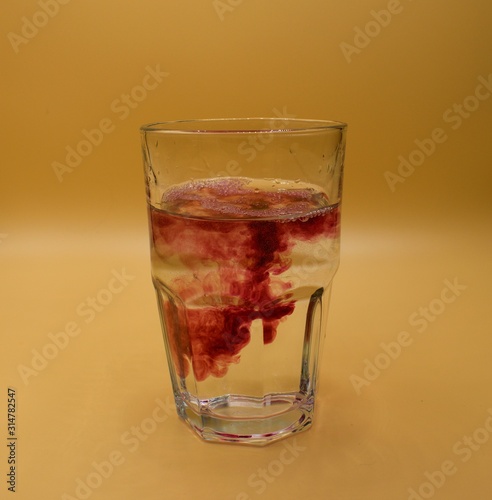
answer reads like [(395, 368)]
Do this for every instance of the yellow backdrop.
[(412, 78)]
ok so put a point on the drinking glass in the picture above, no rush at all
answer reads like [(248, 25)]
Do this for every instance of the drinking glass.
[(244, 218)]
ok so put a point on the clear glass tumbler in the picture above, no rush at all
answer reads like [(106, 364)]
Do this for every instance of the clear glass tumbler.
[(244, 231)]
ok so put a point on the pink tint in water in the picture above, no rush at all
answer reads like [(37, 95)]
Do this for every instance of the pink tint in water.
[(232, 242)]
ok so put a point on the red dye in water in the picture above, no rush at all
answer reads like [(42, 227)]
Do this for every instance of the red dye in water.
[(219, 248)]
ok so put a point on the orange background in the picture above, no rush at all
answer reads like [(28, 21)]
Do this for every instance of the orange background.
[(400, 73)]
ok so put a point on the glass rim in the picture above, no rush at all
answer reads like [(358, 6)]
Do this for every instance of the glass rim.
[(218, 125)]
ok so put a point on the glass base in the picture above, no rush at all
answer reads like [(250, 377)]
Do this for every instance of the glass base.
[(248, 420)]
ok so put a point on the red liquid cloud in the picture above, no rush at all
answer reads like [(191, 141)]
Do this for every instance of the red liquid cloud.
[(230, 264)]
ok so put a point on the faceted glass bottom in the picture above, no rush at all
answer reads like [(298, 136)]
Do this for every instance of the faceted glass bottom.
[(248, 420)]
